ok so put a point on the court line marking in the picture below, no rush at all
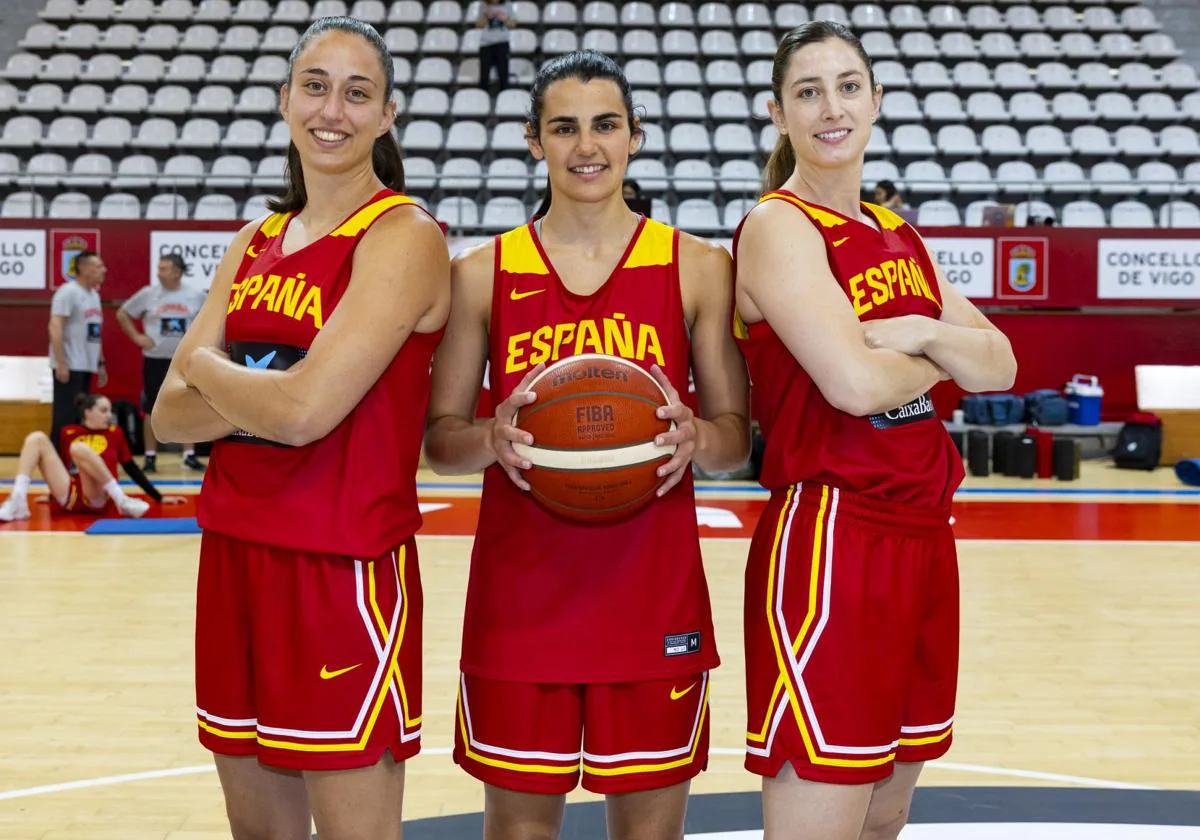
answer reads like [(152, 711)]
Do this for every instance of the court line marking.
[(102, 781), (755, 490)]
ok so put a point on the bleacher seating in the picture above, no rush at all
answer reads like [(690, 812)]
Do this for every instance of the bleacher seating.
[(173, 104)]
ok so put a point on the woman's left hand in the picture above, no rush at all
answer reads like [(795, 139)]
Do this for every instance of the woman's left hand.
[(683, 436), (173, 500)]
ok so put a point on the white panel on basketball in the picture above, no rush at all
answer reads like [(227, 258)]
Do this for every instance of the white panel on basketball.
[(593, 459)]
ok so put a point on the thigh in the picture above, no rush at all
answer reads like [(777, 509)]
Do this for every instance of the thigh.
[(657, 814), (828, 645), (890, 802), (826, 811), (262, 801), (928, 725), (521, 737), (363, 802), (645, 735), (336, 657), (512, 815)]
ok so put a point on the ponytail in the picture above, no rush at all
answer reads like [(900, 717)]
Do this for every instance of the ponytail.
[(780, 165)]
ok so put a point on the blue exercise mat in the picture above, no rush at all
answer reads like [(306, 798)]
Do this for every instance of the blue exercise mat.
[(1188, 471), (183, 525)]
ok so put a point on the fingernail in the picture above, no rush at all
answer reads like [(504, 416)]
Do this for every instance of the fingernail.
[(658, 441), (526, 465)]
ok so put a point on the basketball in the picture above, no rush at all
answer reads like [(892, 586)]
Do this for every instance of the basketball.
[(593, 426)]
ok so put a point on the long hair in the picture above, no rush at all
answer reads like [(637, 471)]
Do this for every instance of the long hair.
[(386, 157), (782, 162), (86, 402), (583, 65)]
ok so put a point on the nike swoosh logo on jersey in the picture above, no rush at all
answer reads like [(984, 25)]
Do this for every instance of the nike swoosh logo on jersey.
[(515, 295), (838, 242), (675, 695), (326, 674), (251, 252)]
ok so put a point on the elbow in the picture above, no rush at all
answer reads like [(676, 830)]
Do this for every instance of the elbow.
[(161, 426), (852, 392), (300, 430)]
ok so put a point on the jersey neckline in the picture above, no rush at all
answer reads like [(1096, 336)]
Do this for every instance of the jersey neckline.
[(537, 243)]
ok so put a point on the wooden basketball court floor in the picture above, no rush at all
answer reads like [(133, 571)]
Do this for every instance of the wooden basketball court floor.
[(1081, 628)]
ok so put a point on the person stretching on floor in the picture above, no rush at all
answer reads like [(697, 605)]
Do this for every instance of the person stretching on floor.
[(96, 447)]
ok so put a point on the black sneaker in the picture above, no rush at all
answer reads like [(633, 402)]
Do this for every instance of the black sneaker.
[(150, 465), (191, 462)]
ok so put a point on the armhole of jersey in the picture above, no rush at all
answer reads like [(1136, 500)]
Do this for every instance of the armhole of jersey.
[(935, 285), (497, 297)]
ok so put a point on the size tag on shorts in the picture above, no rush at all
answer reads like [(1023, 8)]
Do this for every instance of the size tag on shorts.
[(681, 644), (919, 409)]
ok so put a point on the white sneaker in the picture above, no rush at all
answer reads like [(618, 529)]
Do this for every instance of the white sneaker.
[(133, 508), (14, 509)]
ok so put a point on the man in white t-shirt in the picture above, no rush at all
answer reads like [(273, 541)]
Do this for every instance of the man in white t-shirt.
[(166, 308), (496, 18), (76, 355)]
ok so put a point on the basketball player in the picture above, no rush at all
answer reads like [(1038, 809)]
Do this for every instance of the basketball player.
[(309, 365), (851, 614), (574, 634), (96, 448), (165, 308)]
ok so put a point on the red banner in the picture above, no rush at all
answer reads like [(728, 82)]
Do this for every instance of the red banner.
[(65, 245)]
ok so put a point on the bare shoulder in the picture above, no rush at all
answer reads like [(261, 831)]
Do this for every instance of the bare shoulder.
[(403, 229), (703, 253), (478, 261), (777, 220)]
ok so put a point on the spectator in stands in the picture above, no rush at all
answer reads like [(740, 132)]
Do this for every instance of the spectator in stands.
[(166, 309), (632, 192), (887, 194), (76, 354), (496, 19)]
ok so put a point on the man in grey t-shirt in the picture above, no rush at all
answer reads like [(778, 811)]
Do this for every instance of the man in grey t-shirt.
[(166, 309), (76, 354)]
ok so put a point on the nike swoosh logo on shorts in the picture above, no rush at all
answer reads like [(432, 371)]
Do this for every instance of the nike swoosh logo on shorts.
[(326, 674), (675, 694)]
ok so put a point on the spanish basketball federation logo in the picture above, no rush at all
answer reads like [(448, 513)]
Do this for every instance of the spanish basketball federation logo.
[(65, 248), (72, 247), (1022, 268)]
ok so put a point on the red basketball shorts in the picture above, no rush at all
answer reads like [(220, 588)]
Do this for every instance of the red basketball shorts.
[(76, 502), (307, 661), (635, 736), (851, 630)]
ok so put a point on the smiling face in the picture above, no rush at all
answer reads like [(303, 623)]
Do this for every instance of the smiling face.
[(586, 137), (826, 104), (337, 102)]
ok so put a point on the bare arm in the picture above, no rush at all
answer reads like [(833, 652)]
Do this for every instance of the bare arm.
[(56, 342), (181, 414), (968, 346), (125, 321), (455, 443), (723, 429), (400, 285), (784, 278)]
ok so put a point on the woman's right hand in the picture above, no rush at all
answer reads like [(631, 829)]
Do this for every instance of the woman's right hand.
[(504, 434)]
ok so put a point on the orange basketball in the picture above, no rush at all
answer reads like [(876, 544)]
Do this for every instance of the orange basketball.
[(593, 427)]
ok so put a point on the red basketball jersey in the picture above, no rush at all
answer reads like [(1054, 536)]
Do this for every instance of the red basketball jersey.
[(553, 601), (110, 444), (352, 492), (902, 455)]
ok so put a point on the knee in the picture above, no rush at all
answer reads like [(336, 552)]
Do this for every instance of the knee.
[(80, 450), (521, 829), (255, 829), (884, 823), (37, 439)]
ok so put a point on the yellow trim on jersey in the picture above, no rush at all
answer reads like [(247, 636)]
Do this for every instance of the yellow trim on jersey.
[(496, 762), (272, 226), (810, 616), (932, 739), (740, 330), (366, 217), (655, 246), (888, 218), (822, 217), (225, 733), (519, 254), (400, 561), (667, 765)]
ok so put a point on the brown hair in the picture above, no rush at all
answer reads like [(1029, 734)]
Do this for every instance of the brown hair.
[(583, 65), (782, 162), (86, 402), (385, 156)]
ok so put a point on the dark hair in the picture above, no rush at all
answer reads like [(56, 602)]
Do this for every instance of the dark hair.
[(86, 402), (782, 162), (888, 187), (385, 157), (175, 259), (634, 185), (81, 256), (583, 65)]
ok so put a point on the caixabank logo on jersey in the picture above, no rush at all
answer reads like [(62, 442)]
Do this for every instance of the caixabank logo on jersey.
[(1023, 268), (938, 813)]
